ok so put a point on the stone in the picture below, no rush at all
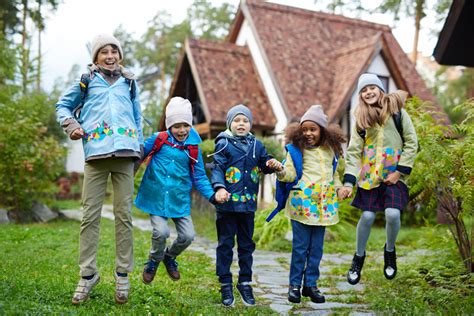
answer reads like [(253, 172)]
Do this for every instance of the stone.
[(4, 216), (42, 213)]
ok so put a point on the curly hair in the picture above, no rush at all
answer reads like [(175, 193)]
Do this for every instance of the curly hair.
[(331, 137)]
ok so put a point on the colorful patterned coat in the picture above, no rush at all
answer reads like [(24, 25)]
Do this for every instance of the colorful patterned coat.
[(315, 201)]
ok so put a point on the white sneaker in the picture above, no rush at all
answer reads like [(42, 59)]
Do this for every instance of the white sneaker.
[(122, 288), (83, 289)]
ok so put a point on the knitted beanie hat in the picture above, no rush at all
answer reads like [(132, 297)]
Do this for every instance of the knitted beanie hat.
[(315, 114), (102, 40), (367, 80), (236, 110), (178, 110)]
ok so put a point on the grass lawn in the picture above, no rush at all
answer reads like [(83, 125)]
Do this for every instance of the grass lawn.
[(39, 272)]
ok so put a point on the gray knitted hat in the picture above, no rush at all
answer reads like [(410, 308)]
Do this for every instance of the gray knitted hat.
[(178, 110), (367, 80), (315, 114), (102, 40), (236, 110)]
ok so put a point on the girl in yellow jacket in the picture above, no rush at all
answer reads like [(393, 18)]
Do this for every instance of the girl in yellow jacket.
[(313, 204), (381, 152)]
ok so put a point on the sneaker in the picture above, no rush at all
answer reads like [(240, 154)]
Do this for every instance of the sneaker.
[(149, 271), (294, 294), (83, 289), (390, 263), (245, 290), (314, 294), (354, 274), (227, 295), (122, 288), (171, 267)]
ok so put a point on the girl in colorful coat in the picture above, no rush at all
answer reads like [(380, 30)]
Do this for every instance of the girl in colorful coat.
[(313, 204), (109, 126), (239, 157), (165, 190), (381, 153)]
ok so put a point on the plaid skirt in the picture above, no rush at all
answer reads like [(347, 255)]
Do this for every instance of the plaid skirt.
[(382, 197)]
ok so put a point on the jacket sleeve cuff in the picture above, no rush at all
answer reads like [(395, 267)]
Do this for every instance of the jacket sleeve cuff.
[(217, 186), (403, 169), (70, 125), (349, 178)]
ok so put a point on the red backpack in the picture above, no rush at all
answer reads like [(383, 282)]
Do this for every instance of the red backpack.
[(162, 138)]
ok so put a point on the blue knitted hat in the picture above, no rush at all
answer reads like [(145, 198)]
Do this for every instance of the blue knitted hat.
[(368, 80)]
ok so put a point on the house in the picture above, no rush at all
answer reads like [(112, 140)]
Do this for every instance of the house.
[(278, 60)]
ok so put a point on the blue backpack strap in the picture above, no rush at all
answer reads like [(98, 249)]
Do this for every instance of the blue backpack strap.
[(334, 163), (283, 188)]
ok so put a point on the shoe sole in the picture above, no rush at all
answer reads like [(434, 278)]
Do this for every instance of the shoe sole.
[(231, 305), (119, 301), (316, 302), (74, 302), (292, 300)]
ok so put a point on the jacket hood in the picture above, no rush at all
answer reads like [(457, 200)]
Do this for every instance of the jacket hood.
[(227, 134)]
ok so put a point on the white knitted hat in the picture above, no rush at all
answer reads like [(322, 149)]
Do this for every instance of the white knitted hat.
[(102, 40), (178, 110), (316, 114), (368, 79)]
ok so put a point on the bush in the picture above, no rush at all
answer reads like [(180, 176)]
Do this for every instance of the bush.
[(30, 158)]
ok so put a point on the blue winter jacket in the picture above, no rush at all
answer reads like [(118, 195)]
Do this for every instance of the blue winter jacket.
[(109, 118), (238, 161), (166, 186)]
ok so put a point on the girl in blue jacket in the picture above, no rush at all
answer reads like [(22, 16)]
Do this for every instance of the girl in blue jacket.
[(109, 125), (238, 158), (165, 190)]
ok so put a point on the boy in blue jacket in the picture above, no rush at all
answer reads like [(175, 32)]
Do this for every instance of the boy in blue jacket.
[(238, 158), (165, 190), (109, 125)]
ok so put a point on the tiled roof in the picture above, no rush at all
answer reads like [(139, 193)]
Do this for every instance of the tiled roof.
[(228, 77), (317, 57)]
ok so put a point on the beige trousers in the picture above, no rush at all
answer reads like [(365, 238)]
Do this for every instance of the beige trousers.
[(96, 174)]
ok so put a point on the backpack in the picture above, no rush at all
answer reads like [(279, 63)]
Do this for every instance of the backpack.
[(162, 138), (84, 84), (283, 188), (397, 119)]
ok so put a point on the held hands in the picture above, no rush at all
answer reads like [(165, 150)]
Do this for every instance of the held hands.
[(222, 195), (392, 178), (344, 192), (78, 133), (275, 164)]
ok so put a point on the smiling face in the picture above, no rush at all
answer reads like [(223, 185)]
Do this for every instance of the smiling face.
[(311, 132), (180, 131), (240, 125), (371, 94), (108, 57)]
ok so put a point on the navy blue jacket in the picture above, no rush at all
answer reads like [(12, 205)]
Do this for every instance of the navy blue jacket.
[(238, 161)]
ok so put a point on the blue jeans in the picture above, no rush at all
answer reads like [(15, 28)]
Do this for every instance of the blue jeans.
[(230, 225), (306, 253)]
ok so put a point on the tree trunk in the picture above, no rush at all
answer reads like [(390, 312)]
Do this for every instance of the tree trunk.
[(40, 29), (24, 50), (419, 14)]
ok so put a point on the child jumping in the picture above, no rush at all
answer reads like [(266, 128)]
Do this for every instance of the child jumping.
[(238, 158), (313, 204), (109, 125), (381, 152), (165, 190)]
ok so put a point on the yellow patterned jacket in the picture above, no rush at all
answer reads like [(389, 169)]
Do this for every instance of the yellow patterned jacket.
[(315, 201), (382, 152)]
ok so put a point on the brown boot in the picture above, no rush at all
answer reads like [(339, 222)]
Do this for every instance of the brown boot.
[(171, 267), (149, 271)]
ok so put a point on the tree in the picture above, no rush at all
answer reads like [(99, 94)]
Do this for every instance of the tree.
[(443, 175)]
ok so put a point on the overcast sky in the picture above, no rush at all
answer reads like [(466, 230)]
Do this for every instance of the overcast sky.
[(76, 22)]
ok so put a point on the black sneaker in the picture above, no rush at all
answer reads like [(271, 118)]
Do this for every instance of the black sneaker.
[(390, 263), (171, 267), (227, 295), (294, 294), (354, 274), (149, 271), (246, 293), (314, 294)]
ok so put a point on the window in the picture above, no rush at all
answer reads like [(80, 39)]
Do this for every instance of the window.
[(385, 82)]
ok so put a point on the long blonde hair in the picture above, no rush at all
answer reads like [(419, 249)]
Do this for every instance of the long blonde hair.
[(368, 116)]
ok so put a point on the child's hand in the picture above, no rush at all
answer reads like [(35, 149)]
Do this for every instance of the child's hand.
[(275, 164), (222, 195), (78, 133), (344, 193), (392, 178)]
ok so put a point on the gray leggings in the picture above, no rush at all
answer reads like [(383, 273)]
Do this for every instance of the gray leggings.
[(392, 227)]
